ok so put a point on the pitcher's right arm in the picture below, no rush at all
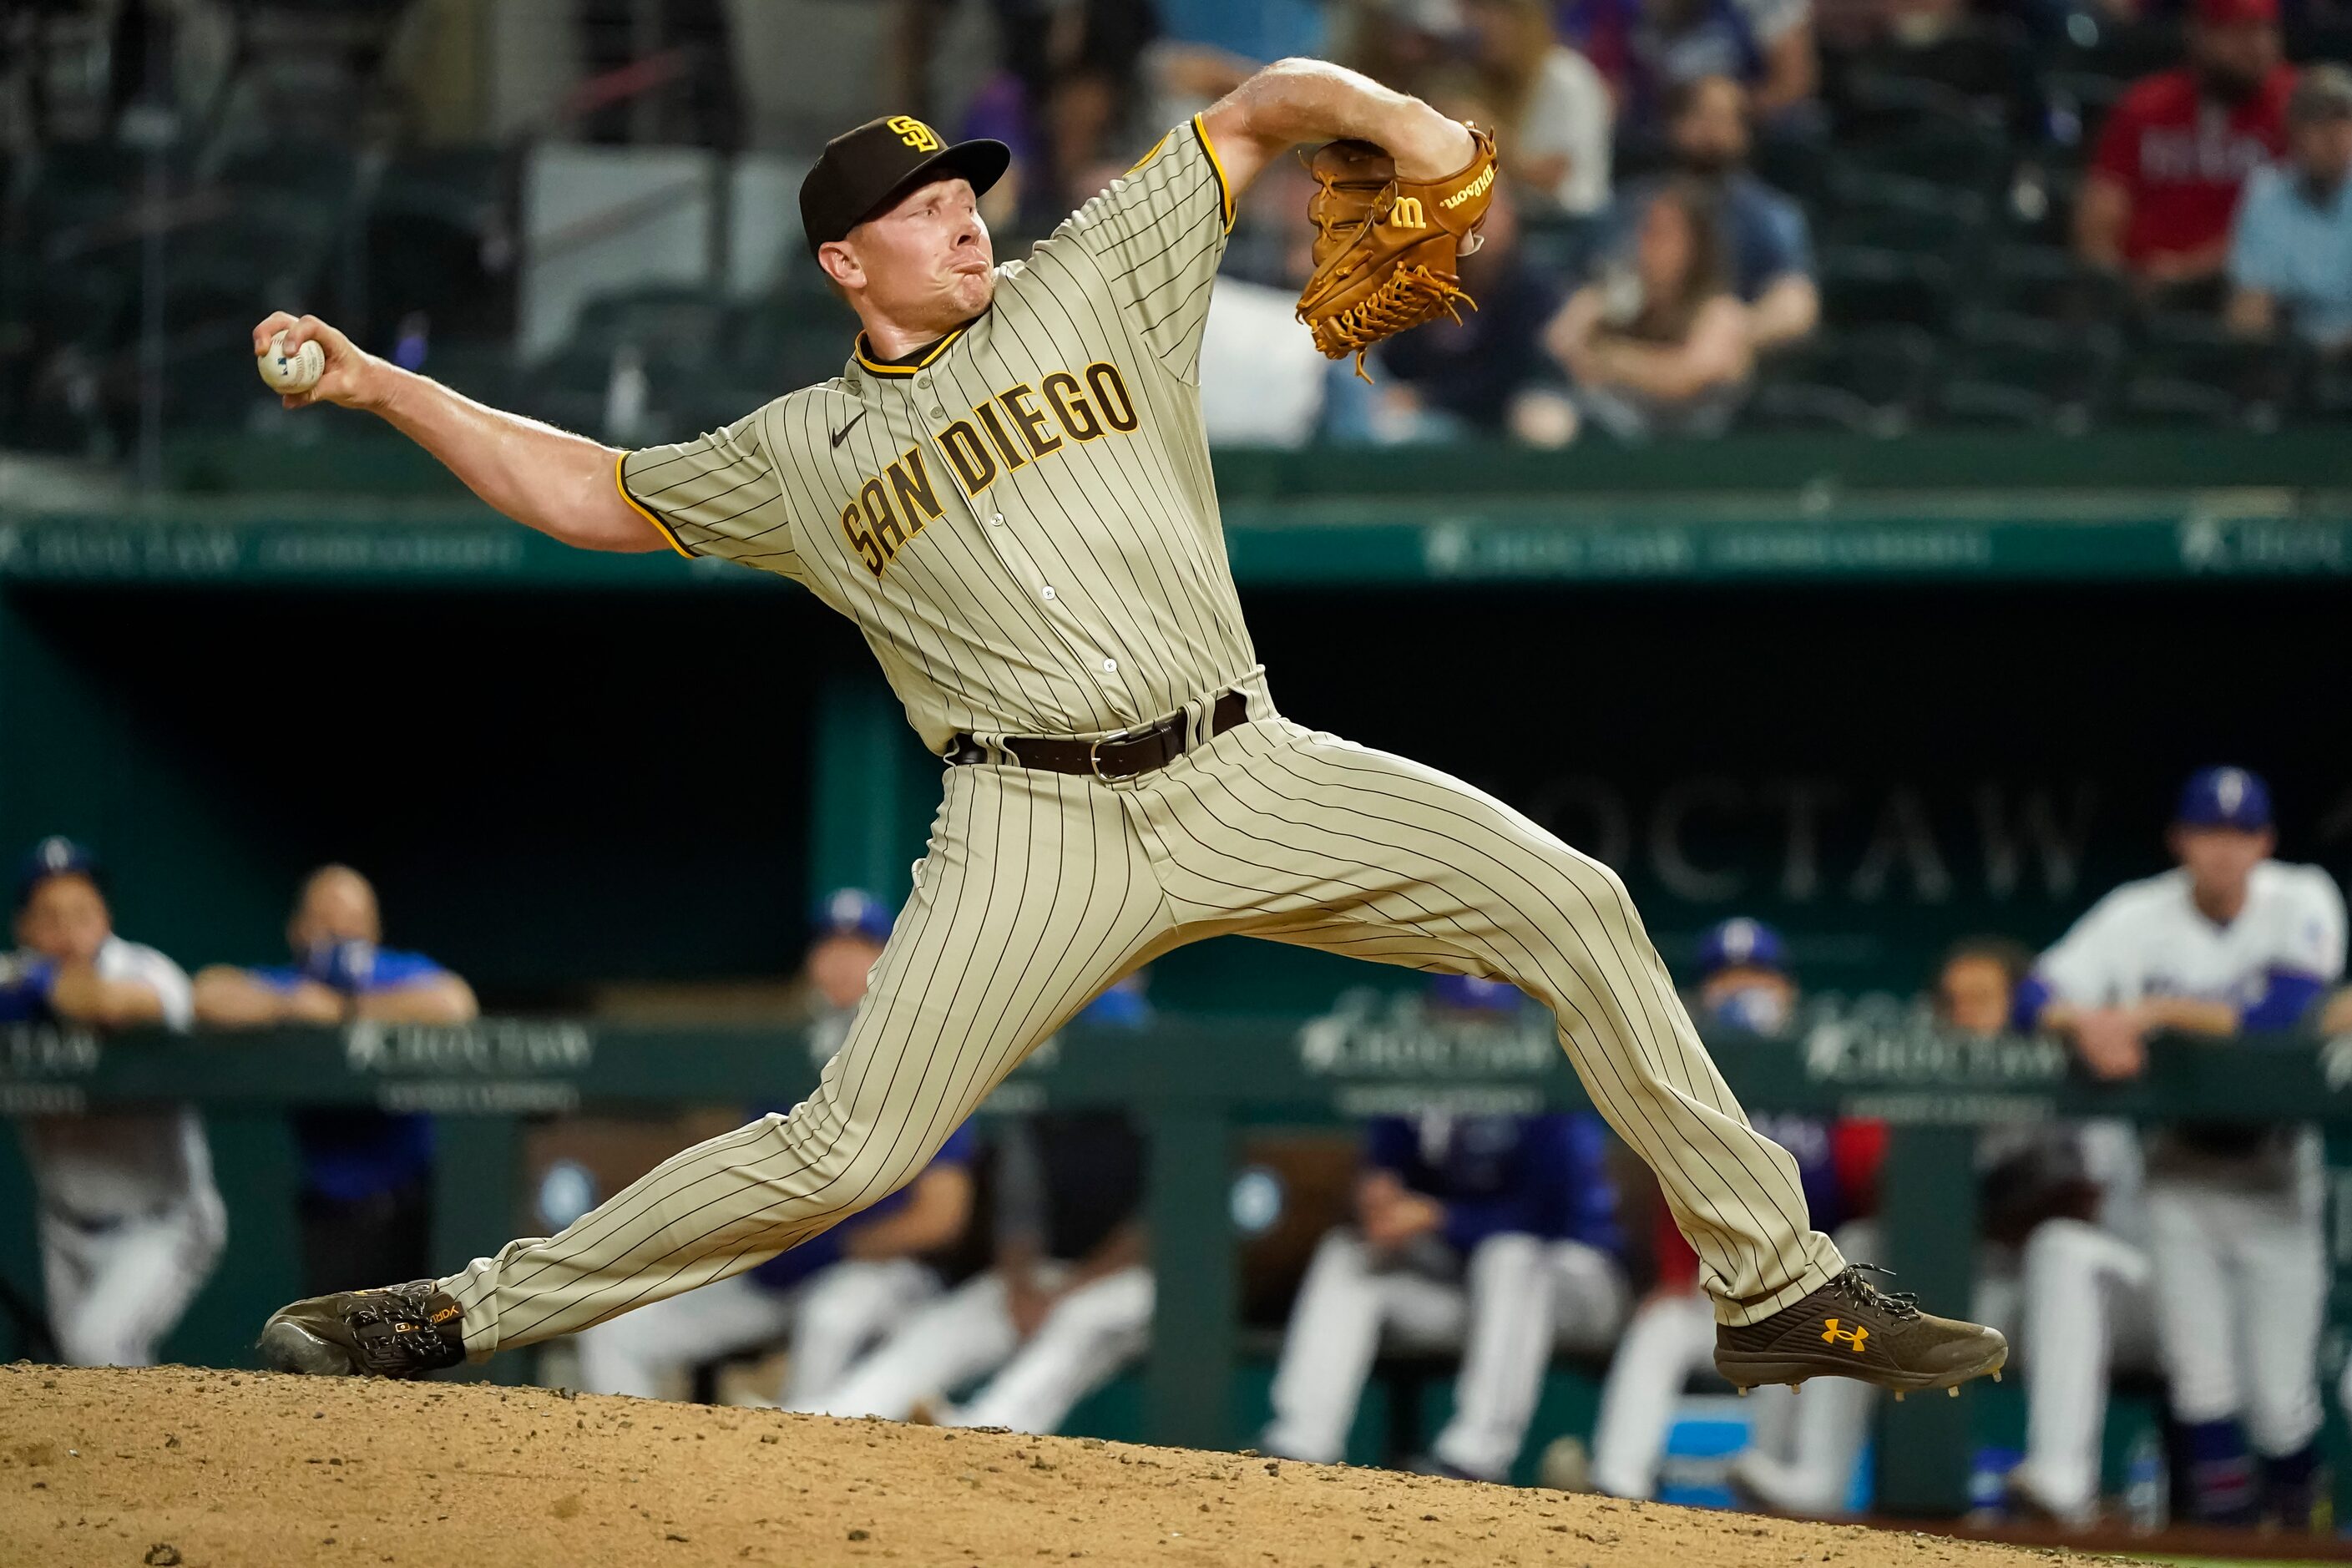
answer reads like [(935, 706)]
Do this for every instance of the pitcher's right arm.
[(560, 484)]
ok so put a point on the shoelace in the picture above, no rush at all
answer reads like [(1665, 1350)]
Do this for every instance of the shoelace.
[(1897, 1304)]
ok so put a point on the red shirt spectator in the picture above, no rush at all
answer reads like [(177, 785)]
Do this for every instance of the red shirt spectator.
[(2165, 179)]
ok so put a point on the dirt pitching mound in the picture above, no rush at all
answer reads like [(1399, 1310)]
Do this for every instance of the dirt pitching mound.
[(219, 1469)]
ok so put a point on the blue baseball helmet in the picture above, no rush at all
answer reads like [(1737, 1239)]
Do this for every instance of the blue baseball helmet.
[(852, 911), (2224, 797), (1741, 944), (56, 855)]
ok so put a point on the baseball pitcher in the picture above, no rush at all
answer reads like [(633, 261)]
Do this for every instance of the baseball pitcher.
[(1008, 490)]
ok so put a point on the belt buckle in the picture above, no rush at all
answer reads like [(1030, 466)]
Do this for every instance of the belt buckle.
[(1094, 752)]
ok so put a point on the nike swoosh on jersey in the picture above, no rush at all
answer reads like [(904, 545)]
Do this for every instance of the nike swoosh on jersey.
[(842, 434)]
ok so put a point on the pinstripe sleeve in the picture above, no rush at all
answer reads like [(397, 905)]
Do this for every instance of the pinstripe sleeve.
[(1158, 233), (716, 495)]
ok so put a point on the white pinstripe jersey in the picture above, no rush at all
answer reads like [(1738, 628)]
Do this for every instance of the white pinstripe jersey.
[(1023, 523)]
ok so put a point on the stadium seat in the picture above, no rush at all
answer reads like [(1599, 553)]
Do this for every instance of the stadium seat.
[(2038, 208), (785, 342), (2044, 281), (2190, 369), (436, 240), (1866, 286), (1939, 146), (482, 370), (2026, 372), (1987, 63), (668, 322), (1896, 212), (2124, 51), (2075, 105), (1871, 382)]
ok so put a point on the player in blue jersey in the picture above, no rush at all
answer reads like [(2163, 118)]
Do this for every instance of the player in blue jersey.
[(366, 1199), (1493, 1234), (130, 1223)]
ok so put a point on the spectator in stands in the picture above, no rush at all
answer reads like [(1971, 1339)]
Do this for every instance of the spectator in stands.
[(2291, 249), (130, 1223), (1771, 249), (1067, 1301), (1068, 87), (1645, 48), (1551, 110), (835, 1296), (367, 1176), (2229, 941), (1493, 1234), (1657, 343), (1486, 372), (1208, 47), (2164, 181)]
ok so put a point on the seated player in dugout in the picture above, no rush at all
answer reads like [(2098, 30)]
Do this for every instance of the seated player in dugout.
[(828, 1301), (366, 1204), (1492, 1236), (1007, 488), (1067, 1301), (130, 1223)]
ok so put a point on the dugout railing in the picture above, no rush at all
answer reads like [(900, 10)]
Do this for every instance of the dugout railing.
[(1193, 1084)]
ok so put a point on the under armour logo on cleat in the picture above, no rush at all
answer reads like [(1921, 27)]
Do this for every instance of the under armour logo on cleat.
[(1851, 1338)]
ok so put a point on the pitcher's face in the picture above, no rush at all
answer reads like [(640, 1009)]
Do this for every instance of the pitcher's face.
[(927, 262)]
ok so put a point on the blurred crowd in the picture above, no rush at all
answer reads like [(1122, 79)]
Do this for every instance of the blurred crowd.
[(1011, 1279), (1858, 214)]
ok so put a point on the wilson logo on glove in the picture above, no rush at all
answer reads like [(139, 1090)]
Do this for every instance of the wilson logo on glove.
[(1385, 248)]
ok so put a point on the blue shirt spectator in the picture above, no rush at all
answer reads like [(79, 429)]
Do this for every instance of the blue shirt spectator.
[(2291, 247), (1545, 1176), (1647, 49), (366, 1199), (350, 1155)]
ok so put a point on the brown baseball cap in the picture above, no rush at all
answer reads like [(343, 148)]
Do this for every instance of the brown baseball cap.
[(863, 171)]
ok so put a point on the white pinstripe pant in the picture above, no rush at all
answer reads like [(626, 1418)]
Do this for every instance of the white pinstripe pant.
[(1040, 889)]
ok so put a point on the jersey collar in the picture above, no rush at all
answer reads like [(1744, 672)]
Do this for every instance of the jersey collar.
[(863, 351)]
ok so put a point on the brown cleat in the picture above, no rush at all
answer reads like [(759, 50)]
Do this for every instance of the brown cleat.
[(1849, 1328), (400, 1330)]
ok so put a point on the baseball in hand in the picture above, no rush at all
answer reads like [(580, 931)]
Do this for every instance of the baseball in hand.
[(294, 373)]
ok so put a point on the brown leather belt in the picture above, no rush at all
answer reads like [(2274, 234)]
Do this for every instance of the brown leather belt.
[(1119, 756)]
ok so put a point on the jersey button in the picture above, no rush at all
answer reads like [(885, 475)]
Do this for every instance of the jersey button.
[(997, 520), (1049, 590), (1110, 666)]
